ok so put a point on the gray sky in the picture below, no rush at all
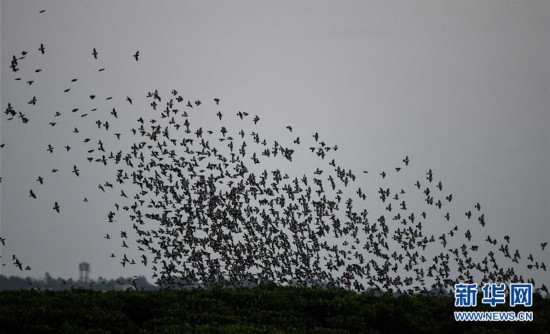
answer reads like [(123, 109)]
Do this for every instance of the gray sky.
[(462, 87)]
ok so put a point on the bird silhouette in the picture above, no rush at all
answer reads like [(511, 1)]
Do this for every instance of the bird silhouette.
[(56, 207)]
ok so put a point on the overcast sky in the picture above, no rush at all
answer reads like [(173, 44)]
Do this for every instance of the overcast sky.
[(461, 87)]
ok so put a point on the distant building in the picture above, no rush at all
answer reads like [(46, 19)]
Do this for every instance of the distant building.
[(84, 269)]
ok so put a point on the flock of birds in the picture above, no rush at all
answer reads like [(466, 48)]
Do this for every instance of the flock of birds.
[(203, 203)]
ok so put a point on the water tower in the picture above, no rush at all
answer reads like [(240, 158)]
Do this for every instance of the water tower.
[(84, 268)]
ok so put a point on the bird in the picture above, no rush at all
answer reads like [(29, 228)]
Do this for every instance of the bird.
[(41, 48), (32, 194), (13, 66), (94, 53), (136, 55), (56, 207)]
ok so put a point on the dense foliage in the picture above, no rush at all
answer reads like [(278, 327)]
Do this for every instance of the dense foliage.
[(263, 309)]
